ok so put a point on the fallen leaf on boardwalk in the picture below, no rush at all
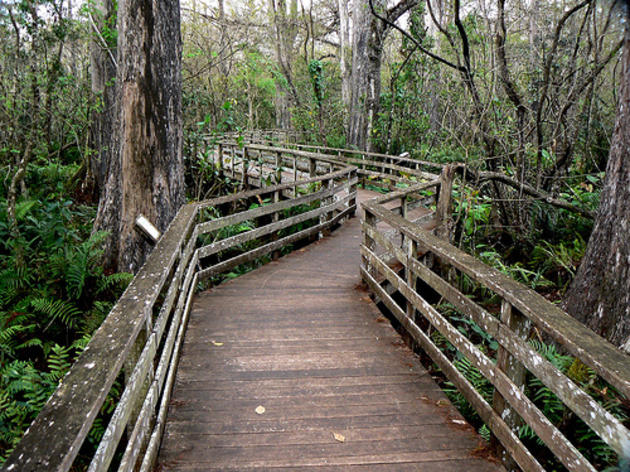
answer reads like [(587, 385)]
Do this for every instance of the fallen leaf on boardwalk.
[(217, 343), (339, 437), (458, 421), (260, 409)]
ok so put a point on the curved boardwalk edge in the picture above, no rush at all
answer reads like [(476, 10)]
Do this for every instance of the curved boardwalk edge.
[(300, 338)]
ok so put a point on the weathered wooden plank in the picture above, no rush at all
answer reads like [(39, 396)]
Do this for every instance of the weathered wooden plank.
[(174, 287), (273, 188), (232, 241), (316, 437), (139, 435), (451, 464), (204, 228), (269, 247), (148, 461), (574, 397), (610, 429), (408, 192), (401, 169), (399, 159), (266, 456), (259, 358), (118, 422)]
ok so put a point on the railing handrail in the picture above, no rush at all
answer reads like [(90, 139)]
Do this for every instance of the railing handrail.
[(398, 158), (605, 359)]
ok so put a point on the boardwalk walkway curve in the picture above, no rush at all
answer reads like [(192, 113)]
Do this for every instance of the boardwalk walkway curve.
[(301, 339), (297, 337)]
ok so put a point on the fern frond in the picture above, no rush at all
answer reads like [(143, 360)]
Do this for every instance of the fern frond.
[(119, 281), (63, 310), (82, 342), (58, 362)]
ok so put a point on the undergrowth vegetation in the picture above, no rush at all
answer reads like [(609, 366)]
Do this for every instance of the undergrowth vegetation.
[(54, 293)]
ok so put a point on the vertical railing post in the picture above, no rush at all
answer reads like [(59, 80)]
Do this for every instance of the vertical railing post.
[(312, 167), (519, 325), (362, 167), (275, 255), (326, 216), (352, 177), (233, 158), (245, 168), (294, 176), (443, 210), (220, 158), (369, 221), (278, 175), (412, 280)]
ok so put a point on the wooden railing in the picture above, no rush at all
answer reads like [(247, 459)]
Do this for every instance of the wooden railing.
[(380, 170), (138, 344), (270, 136), (424, 257)]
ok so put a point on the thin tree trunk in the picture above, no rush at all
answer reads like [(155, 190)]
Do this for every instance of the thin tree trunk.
[(367, 49), (344, 41)]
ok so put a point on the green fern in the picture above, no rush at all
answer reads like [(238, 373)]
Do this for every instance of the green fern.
[(82, 263), (119, 281), (59, 363), (62, 310)]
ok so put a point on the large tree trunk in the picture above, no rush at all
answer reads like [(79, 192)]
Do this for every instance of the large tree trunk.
[(367, 43), (369, 33), (145, 175), (285, 33), (103, 73), (600, 293)]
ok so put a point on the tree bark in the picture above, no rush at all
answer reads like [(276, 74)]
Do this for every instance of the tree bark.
[(103, 73), (344, 41), (145, 175), (367, 42), (285, 33), (600, 293), (369, 34)]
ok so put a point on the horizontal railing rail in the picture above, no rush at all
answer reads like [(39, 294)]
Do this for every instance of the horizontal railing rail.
[(138, 343), (381, 170), (423, 257)]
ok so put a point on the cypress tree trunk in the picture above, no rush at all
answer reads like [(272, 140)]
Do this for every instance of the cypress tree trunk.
[(600, 293), (367, 45), (145, 175), (103, 73), (369, 33)]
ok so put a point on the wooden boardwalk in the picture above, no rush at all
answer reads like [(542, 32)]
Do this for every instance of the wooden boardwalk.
[(301, 339)]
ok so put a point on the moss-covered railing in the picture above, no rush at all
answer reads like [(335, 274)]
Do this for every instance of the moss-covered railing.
[(426, 298), (138, 343)]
